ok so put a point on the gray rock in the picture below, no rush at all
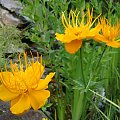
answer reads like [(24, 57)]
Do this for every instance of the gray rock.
[(12, 5), (5, 113), (10, 14), (6, 18)]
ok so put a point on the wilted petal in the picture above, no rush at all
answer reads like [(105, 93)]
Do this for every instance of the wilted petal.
[(38, 98), (20, 104), (73, 46), (6, 94)]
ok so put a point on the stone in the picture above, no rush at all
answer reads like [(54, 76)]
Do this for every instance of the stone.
[(5, 113), (6, 18), (10, 11), (12, 5)]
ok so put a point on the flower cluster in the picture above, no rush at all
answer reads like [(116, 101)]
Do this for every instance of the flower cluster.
[(76, 31), (24, 88)]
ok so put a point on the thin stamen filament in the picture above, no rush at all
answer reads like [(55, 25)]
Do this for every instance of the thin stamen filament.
[(64, 21)]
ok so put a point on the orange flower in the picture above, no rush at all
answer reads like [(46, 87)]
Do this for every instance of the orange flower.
[(76, 30), (110, 33), (24, 88)]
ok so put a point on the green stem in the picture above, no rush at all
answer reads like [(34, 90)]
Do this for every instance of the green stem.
[(61, 109), (97, 66), (101, 57), (78, 106), (81, 64), (60, 99)]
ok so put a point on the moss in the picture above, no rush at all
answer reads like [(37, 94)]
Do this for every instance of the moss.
[(10, 42)]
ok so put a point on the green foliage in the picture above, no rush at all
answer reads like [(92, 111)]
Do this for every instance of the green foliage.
[(80, 79), (10, 42), (94, 68), (46, 16)]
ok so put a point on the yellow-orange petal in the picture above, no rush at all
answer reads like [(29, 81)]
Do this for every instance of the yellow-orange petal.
[(5, 76), (6, 95), (73, 46), (38, 98), (66, 38), (59, 36), (94, 31), (114, 44), (20, 104), (33, 73), (43, 83), (38, 69), (100, 38)]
